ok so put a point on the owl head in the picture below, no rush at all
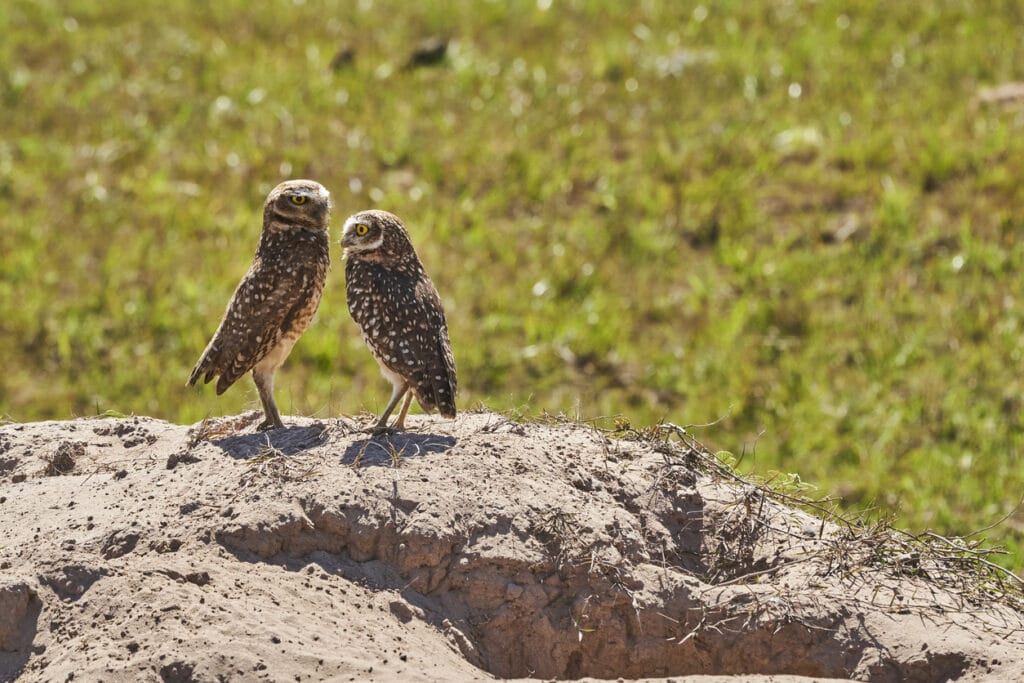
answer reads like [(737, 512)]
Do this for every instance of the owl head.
[(302, 204), (377, 236)]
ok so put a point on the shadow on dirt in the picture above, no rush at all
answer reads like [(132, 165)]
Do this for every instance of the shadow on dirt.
[(380, 450), (389, 449), (287, 441)]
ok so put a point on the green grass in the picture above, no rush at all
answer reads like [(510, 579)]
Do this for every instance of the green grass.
[(796, 214)]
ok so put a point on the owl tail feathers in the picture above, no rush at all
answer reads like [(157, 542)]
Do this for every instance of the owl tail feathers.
[(444, 404), (222, 384), (447, 409), (206, 367), (444, 396), (433, 399), (197, 372)]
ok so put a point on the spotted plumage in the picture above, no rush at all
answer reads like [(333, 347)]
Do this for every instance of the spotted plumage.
[(399, 314), (276, 300)]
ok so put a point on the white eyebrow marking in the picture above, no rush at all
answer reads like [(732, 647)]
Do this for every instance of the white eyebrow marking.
[(350, 225)]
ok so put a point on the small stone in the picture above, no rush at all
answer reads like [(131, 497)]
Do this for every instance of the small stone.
[(402, 610), (198, 578), (513, 591)]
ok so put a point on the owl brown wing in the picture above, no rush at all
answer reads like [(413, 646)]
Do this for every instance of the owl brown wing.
[(433, 376), (252, 324), (446, 397)]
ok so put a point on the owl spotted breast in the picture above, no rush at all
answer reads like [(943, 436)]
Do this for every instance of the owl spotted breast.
[(276, 300), (399, 314)]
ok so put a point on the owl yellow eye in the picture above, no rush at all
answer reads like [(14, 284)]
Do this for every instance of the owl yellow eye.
[(298, 199), (361, 229)]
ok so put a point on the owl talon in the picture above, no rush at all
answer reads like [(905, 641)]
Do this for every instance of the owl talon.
[(268, 425)]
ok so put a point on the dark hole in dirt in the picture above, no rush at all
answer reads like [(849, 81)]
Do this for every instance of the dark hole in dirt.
[(62, 460)]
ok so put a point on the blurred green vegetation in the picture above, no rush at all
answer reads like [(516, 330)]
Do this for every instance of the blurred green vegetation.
[(804, 216)]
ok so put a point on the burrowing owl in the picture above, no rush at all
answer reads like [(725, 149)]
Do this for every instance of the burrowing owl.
[(399, 314), (277, 298)]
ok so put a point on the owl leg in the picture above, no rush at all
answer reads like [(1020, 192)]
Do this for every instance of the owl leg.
[(396, 393), (400, 422), (265, 385)]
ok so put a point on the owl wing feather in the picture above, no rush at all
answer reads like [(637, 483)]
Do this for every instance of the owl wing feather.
[(433, 377), (253, 324), (446, 389)]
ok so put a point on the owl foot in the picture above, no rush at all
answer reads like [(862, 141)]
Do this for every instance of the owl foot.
[(268, 424)]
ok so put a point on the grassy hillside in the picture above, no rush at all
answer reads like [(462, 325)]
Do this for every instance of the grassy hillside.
[(804, 216)]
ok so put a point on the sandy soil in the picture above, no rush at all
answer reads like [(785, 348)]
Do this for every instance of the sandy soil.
[(134, 549)]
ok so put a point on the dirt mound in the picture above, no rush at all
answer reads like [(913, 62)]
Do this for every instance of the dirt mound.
[(134, 549)]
